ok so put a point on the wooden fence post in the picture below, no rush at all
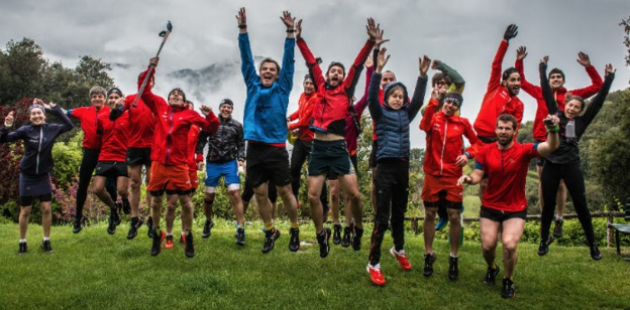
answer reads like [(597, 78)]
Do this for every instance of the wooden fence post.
[(609, 230)]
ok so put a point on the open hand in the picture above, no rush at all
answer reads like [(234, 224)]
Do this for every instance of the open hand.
[(205, 110), (583, 59), (382, 60), (510, 32), (521, 53), (8, 121), (287, 19), (544, 60), (372, 29), (424, 63), (609, 70), (241, 17), (298, 29)]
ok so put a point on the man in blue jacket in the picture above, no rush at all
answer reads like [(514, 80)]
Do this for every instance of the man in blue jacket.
[(265, 128)]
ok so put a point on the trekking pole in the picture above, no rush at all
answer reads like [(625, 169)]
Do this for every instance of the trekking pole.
[(164, 34)]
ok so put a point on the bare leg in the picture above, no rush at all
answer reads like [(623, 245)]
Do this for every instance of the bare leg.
[(187, 212), (237, 205), (429, 228), (489, 236), (455, 229), (208, 205), (101, 193), (156, 210), (264, 204), (25, 212), (289, 202), (333, 185), (171, 206), (350, 187), (512, 232), (315, 184), (135, 181)]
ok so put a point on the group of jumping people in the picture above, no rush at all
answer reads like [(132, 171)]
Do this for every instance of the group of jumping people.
[(123, 134)]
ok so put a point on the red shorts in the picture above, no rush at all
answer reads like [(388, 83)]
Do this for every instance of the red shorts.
[(194, 179), (432, 186), (172, 179)]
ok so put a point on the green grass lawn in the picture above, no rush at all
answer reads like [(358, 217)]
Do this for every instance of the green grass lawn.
[(93, 270)]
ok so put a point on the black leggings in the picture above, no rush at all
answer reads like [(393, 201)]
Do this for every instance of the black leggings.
[(392, 187), (301, 151), (86, 170), (574, 180)]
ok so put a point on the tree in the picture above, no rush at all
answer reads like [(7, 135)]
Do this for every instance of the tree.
[(21, 68)]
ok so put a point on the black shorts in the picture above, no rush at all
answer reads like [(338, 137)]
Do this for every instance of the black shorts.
[(26, 201), (137, 156), (111, 169), (267, 163), (501, 216), (329, 158), (373, 161)]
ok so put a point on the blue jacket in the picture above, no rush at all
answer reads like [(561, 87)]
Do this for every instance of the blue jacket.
[(392, 126), (38, 143), (264, 119)]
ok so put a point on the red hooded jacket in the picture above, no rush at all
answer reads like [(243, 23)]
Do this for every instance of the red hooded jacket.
[(170, 145), (89, 118), (331, 108), (114, 133), (540, 132), (142, 122), (193, 138), (444, 141), (497, 100), (304, 115)]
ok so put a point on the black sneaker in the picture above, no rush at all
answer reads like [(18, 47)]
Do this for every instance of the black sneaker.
[(347, 235), (46, 246), (126, 206), (270, 240), (207, 229), (595, 253), (323, 239), (76, 226), (336, 234), (135, 224), (543, 248), (150, 227), (240, 236), (428, 264), (117, 216), (294, 242), (23, 248), (453, 271), (190, 249), (111, 228), (508, 289), (491, 275), (158, 237), (557, 230), (356, 240)]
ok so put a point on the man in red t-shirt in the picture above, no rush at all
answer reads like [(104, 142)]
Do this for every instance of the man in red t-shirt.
[(503, 205)]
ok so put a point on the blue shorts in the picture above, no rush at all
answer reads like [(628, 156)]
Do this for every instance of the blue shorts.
[(229, 170)]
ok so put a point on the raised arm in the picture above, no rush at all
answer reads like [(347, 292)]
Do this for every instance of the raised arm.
[(247, 60), (457, 80), (311, 61), (147, 96), (210, 124), (288, 60), (427, 118), (596, 79), (66, 123), (362, 103), (5, 135), (421, 88), (495, 74), (597, 102), (547, 93), (352, 77), (374, 103), (532, 90)]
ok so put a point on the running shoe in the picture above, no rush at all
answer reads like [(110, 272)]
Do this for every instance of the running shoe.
[(270, 240), (169, 242), (294, 242), (116, 210), (595, 253), (491, 275), (337, 234), (557, 230), (375, 274), (23, 248), (190, 249), (323, 239), (46, 246), (401, 258), (453, 271), (429, 259), (76, 226), (126, 206), (111, 228), (207, 229), (150, 227), (347, 235), (158, 237), (240, 236), (356, 240), (136, 223), (508, 289), (543, 248)]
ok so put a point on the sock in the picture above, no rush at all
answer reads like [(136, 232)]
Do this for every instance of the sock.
[(399, 252), (453, 256), (558, 218), (169, 234), (269, 226), (240, 227), (295, 225), (46, 238), (23, 240), (377, 266)]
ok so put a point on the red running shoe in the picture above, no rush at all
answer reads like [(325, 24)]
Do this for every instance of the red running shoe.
[(402, 259), (169, 242), (375, 274)]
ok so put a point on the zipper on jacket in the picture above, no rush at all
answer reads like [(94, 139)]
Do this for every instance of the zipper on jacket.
[(168, 136), (443, 146), (39, 149)]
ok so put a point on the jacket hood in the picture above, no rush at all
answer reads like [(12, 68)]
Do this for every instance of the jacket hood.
[(389, 87)]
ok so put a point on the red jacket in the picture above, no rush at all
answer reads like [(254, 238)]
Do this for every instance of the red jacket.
[(304, 115), (497, 100), (445, 142), (114, 134), (331, 108), (540, 132), (193, 138), (89, 123), (142, 122), (170, 145)]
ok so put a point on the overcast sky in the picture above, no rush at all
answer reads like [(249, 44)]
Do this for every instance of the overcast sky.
[(463, 34)]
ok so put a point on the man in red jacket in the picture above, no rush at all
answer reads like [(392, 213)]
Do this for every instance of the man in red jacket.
[(139, 141), (501, 96), (111, 160), (556, 81), (443, 166), (169, 156)]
